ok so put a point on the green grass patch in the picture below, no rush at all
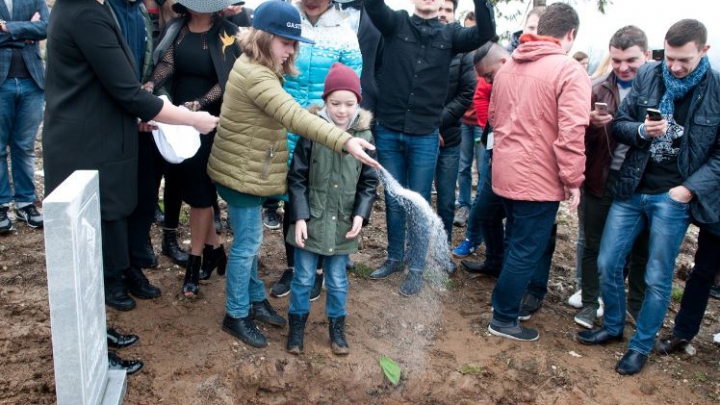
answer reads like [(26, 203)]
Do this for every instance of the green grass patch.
[(363, 271), (700, 376), (677, 294), (470, 369)]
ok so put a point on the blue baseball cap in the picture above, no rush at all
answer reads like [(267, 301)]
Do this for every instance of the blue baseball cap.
[(279, 18)]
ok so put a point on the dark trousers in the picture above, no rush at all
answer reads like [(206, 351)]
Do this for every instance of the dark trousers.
[(115, 250), (172, 198), (150, 169), (529, 225), (697, 287), (487, 214), (596, 213)]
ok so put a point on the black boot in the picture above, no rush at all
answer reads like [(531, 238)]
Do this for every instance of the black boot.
[(138, 285), (264, 312), (191, 285), (245, 330), (213, 258), (150, 255), (296, 334), (337, 335), (171, 249), (116, 295)]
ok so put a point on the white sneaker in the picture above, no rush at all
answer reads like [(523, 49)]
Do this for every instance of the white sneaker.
[(575, 300), (601, 308), (716, 339)]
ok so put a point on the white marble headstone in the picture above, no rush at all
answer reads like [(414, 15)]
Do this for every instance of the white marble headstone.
[(73, 249)]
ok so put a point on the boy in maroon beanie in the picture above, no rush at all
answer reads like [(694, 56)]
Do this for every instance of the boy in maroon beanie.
[(331, 198)]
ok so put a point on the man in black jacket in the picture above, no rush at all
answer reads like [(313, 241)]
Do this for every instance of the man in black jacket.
[(670, 173), (458, 100), (412, 87)]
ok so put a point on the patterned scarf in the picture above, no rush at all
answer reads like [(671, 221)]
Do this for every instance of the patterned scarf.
[(676, 89)]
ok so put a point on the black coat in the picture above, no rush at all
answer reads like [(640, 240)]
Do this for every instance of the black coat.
[(459, 98), (699, 158), (93, 100)]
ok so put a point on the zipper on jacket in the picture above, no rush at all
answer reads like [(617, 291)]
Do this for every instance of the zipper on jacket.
[(268, 159)]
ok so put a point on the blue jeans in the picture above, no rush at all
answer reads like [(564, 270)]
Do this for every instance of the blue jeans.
[(446, 174), (486, 210), (668, 221), (410, 159), (21, 111), (468, 150), (303, 281), (531, 223), (243, 284)]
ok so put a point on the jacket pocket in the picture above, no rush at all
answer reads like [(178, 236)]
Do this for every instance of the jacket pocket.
[(269, 155), (643, 104)]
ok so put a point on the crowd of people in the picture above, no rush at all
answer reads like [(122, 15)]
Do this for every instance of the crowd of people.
[(297, 105)]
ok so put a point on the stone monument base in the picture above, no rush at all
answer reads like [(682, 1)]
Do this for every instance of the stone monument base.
[(116, 388)]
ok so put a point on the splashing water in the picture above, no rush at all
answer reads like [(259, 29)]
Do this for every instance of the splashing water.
[(415, 322), (424, 228)]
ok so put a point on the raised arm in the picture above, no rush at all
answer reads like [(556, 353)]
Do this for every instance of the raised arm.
[(385, 19), (469, 39)]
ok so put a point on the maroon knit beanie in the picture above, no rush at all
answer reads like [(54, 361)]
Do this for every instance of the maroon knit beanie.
[(341, 77)]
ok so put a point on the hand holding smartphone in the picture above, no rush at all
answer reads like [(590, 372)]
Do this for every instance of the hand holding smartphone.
[(654, 114), (601, 108)]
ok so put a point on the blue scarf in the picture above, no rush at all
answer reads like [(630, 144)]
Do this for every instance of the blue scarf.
[(676, 89)]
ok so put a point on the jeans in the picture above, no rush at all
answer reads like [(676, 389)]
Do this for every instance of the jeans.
[(596, 213), (410, 159), (668, 221), (303, 281), (697, 287), (21, 111), (486, 218), (531, 224), (580, 243), (468, 150), (243, 284), (446, 174)]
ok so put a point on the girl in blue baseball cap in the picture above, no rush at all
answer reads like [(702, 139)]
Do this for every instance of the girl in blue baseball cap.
[(248, 161)]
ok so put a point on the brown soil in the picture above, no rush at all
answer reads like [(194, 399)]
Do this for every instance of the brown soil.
[(439, 339)]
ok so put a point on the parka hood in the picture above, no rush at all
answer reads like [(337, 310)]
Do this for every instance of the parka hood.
[(534, 47)]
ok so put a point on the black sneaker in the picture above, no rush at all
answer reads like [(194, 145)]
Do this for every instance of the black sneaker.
[(528, 306), (715, 292), (31, 215), (282, 287), (5, 222), (517, 332), (317, 288), (271, 219), (245, 330)]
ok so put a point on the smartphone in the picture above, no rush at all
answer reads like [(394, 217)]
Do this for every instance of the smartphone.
[(601, 108), (654, 115)]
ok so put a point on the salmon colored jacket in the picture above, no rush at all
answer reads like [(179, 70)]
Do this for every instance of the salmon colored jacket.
[(539, 112)]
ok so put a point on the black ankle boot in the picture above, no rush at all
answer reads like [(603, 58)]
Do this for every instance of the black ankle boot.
[(213, 258), (171, 249), (138, 285), (296, 334), (337, 335), (191, 285), (245, 330), (116, 295), (264, 312)]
